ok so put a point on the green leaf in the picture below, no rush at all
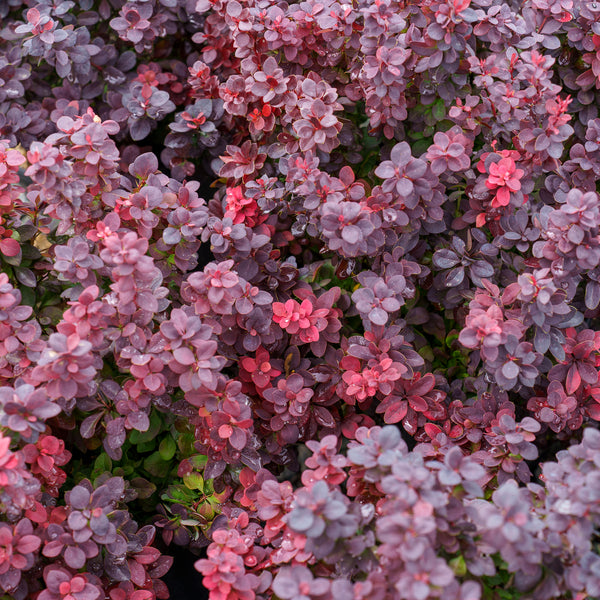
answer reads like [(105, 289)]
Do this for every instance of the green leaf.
[(427, 353), (179, 494), (438, 110), (146, 446), (14, 261), (49, 315), (185, 443), (194, 481), (103, 464), (26, 232), (198, 461), (209, 489), (451, 337), (142, 437), (167, 448), (459, 566), (30, 253), (421, 146), (143, 487), (156, 466), (28, 296), (125, 471)]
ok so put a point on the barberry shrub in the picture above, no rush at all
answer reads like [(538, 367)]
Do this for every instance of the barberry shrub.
[(308, 289)]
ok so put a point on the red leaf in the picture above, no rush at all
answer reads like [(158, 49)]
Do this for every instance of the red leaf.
[(417, 403), (455, 432), (422, 386), (593, 411), (138, 573), (432, 430), (37, 514), (323, 417), (573, 380), (9, 247), (396, 412), (28, 544), (350, 363), (147, 556)]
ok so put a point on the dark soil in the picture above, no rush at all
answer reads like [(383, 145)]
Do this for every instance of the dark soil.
[(183, 581)]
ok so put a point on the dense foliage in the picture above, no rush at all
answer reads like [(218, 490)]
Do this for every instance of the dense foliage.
[(312, 288)]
